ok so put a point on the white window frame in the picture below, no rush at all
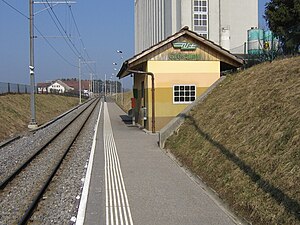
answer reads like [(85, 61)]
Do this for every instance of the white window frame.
[(184, 95), (200, 13)]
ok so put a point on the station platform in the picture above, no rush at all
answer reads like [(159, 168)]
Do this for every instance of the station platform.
[(133, 181)]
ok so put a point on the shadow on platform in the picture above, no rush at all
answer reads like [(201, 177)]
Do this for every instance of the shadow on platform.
[(127, 120)]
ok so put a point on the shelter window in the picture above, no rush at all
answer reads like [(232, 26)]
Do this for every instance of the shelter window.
[(184, 93)]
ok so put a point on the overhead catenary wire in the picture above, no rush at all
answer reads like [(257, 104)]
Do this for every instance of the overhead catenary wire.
[(77, 29), (54, 49), (62, 31), (79, 35), (40, 33), (15, 9), (79, 55)]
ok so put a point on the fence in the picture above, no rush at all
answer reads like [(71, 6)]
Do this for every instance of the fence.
[(6, 88), (11, 88)]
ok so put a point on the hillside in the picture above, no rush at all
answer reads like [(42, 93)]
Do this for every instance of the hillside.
[(15, 111), (244, 142), (124, 102)]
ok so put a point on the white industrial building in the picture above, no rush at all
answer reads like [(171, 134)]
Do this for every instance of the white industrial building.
[(224, 22)]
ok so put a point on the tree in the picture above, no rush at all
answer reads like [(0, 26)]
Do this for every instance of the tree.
[(283, 18)]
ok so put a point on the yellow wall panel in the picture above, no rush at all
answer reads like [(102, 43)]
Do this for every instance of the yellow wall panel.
[(184, 67), (200, 80), (167, 74), (164, 106)]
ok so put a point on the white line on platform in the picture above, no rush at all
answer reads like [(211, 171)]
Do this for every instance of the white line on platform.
[(117, 207), (106, 184), (85, 191)]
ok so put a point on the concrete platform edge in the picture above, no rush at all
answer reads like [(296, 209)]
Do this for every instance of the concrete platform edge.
[(85, 191)]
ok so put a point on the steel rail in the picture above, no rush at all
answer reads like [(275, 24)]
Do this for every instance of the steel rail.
[(37, 198), (21, 167), (60, 116), (8, 141)]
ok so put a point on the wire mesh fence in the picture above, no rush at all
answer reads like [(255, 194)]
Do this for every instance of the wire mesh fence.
[(12, 88), (259, 51)]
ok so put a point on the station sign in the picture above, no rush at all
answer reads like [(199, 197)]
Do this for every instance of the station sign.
[(184, 46), (185, 52)]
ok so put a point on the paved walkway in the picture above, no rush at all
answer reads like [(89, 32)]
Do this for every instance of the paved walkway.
[(134, 182)]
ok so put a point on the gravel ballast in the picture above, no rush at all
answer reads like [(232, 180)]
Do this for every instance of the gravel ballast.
[(60, 202)]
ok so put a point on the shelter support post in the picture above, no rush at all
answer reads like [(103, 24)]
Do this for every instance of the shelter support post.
[(153, 94)]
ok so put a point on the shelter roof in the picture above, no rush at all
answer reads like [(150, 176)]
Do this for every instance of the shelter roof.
[(228, 61)]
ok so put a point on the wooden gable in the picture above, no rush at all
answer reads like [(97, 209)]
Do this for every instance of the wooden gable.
[(165, 51), (203, 52)]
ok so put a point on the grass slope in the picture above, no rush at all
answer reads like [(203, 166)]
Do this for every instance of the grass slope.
[(244, 141), (125, 101), (15, 111)]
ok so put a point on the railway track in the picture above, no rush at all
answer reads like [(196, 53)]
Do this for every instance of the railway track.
[(23, 188)]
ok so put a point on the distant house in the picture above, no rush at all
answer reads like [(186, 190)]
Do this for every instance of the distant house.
[(42, 88), (59, 87)]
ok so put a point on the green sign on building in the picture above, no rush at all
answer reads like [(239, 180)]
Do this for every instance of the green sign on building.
[(184, 46), (184, 57)]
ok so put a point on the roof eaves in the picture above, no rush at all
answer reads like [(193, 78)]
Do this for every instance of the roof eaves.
[(123, 71), (156, 46)]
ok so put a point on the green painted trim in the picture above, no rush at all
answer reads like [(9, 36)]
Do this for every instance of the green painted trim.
[(135, 93), (184, 57)]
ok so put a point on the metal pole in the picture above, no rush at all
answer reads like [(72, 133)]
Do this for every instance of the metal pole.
[(153, 102), (110, 86), (79, 67), (116, 89), (122, 92), (121, 85), (105, 87), (94, 86), (220, 25), (90, 85), (98, 86), (32, 123), (153, 94)]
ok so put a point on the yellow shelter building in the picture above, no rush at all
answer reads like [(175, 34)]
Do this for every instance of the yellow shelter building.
[(172, 74)]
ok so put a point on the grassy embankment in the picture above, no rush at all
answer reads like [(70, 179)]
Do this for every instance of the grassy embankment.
[(244, 142), (125, 102), (15, 111)]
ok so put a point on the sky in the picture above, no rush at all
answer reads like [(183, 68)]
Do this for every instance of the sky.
[(104, 27)]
